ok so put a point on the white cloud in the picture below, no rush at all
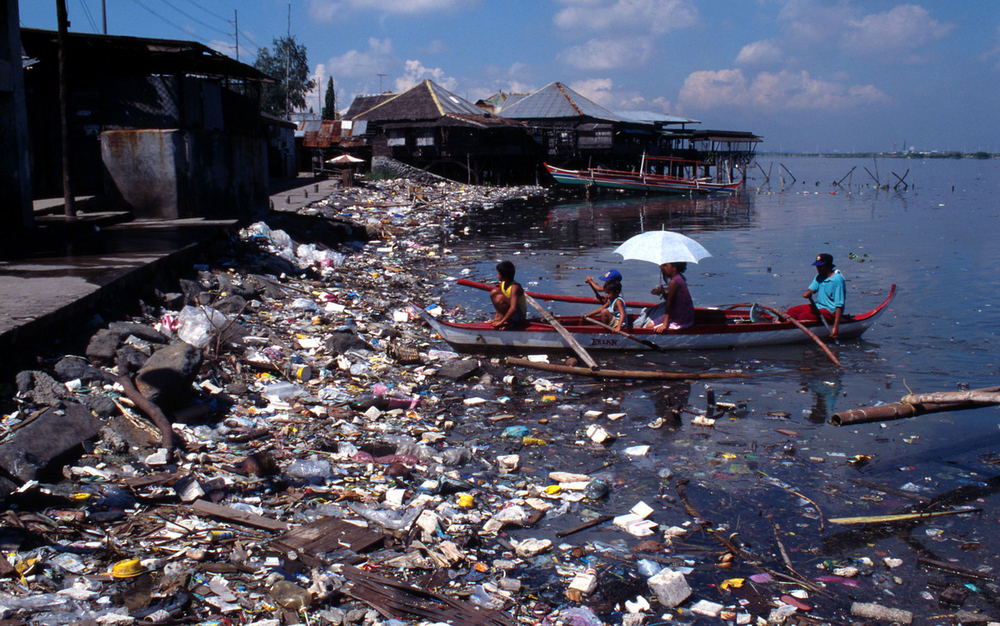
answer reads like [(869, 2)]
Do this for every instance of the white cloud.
[(905, 27), (416, 72), (656, 16), (366, 64), (764, 52), (598, 90), (770, 92), (818, 25), (608, 54), (333, 10)]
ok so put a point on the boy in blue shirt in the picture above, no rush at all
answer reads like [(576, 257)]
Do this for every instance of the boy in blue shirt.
[(830, 290)]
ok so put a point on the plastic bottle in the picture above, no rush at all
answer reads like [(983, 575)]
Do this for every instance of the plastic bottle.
[(596, 489)]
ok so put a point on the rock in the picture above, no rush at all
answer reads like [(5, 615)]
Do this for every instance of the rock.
[(344, 341), (33, 446), (166, 377), (43, 389), (141, 331), (76, 368), (102, 406), (102, 346), (671, 588), (458, 368)]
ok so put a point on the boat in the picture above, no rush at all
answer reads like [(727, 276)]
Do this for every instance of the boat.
[(734, 326), (671, 181)]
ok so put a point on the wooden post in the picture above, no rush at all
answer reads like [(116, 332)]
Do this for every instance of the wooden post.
[(567, 337), (69, 207)]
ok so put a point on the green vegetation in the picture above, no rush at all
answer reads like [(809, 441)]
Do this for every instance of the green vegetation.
[(287, 54)]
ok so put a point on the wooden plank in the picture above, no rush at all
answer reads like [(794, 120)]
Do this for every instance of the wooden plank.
[(201, 507), (567, 337), (328, 534)]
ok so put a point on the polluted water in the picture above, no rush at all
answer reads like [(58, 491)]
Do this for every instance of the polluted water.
[(402, 481)]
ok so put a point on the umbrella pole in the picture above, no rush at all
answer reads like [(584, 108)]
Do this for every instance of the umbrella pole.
[(567, 337)]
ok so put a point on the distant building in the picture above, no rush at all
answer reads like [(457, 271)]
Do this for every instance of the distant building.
[(433, 129), (164, 128)]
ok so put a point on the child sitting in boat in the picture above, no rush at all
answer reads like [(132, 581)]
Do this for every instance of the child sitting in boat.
[(677, 309), (612, 312), (508, 299)]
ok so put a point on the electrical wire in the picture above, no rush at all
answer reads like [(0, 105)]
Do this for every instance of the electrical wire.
[(169, 23), (90, 18), (196, 20), (212, 13)]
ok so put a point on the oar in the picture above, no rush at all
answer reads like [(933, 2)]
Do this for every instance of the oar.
[(567, 337), (822, 318), (819, 342), (644, 342)]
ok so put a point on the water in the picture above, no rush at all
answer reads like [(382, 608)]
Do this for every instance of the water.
[(935, 240)]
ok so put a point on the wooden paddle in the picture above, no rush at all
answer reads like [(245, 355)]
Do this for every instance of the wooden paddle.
[(822, 318), (644, 342), (819, 342), (567, 337)]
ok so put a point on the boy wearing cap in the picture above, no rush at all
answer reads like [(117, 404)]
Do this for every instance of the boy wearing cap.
[(612, 312), (830, 290)]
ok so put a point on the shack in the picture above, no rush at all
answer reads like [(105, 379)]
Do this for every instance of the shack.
[(162, 128), (430, 128)]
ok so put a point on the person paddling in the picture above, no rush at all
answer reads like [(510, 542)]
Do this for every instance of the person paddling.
[(612, 312), (508, 299), (830, 290)]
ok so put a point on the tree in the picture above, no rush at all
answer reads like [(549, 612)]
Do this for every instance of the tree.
[(330, 102), (287, 53)]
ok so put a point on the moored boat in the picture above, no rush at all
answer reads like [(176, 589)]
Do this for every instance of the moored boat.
[(643, 180), (714, 328)]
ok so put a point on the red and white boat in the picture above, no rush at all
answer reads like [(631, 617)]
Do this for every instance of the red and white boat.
[(714, 328)]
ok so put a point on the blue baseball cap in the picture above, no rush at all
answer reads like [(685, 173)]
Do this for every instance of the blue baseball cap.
[(612, 275), (823, 259)]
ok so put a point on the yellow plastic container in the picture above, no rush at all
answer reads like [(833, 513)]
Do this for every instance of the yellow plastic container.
[(129, 568)]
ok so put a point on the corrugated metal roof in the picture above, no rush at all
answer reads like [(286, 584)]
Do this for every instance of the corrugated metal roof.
[(654, 117), (554, 101), (425, 101)]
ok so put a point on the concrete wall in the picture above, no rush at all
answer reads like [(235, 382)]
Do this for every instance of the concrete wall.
[(176, 174), (15, 156)]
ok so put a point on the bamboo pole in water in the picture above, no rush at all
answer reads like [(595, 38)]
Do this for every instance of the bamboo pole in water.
[(912, 405), (633, 374)]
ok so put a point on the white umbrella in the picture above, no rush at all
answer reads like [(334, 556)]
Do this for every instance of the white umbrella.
[(662, 246), (345, 159)]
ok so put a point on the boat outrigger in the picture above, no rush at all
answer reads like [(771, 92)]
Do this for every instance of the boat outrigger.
[(670, 180), (735, 326)]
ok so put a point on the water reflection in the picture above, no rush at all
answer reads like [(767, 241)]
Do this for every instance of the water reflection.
[(603, 223)]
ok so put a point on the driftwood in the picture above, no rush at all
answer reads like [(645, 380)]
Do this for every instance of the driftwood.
[(148, 407), (819, 342), (915, 404), (633, 374), (567, 337)]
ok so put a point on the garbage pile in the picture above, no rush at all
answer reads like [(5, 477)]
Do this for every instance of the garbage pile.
[(280, 441)]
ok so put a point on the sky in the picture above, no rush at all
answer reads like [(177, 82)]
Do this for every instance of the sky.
[(805, 75)]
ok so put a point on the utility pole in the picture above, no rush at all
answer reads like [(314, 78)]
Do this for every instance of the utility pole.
[(70, 209), (288, 59), (104, 15), (236, 22)]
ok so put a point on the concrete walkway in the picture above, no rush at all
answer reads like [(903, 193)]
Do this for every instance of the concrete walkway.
[(73, 265)]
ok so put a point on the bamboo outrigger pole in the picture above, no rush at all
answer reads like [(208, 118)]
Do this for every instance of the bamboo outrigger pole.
[(624, 374)]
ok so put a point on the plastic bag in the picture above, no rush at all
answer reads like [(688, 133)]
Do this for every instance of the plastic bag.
[(197, 325)]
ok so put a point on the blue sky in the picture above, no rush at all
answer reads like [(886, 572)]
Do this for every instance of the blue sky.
[(806, 75)]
